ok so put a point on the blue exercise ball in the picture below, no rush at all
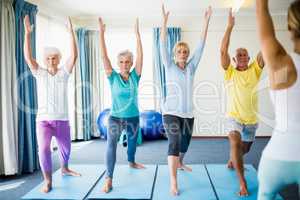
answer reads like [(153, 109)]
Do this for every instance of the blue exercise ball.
[(102, 122), (151, 125)]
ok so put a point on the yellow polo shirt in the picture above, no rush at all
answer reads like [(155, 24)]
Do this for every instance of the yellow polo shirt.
[(241, 91)]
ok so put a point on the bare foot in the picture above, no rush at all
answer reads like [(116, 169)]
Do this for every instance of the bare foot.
[(68, 172), (174, 190), (184, 167), (46, 188), (107, 187), (136, 165), (243, 190), (230, 165)]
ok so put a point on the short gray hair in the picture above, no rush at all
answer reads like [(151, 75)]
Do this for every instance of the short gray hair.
[(126, 53), (51, 51)]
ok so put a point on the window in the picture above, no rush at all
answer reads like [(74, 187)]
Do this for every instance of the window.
[(51, 33)]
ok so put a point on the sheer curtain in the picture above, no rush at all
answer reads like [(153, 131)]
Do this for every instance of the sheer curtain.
[(87, 86), (8, 91)]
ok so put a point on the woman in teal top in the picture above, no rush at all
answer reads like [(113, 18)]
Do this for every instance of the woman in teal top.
[(124, 112)]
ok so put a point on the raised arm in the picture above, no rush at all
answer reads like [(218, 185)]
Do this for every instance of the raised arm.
[(163, 34), (281, 69), (106, 62), (200, 47), (225, 57), (207, 16), (260, 60), (139, 50), (165, 56), (31, 62), (74, 53)]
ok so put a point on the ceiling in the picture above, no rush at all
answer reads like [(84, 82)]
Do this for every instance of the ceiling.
[(147, 8)]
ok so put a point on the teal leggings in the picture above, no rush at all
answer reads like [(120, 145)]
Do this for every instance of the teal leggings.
[(274, 175)]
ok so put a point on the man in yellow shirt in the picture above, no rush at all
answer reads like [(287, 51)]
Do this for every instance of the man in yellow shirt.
[(241, 83)]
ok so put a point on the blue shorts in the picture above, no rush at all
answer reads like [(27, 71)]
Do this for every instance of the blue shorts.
[(247, 131)]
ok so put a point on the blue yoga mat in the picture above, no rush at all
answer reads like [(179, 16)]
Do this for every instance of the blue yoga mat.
[(128, 183), (226, 182), (192, 185), (69, 187)]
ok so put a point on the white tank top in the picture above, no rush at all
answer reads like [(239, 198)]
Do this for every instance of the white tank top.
[(285, 141)]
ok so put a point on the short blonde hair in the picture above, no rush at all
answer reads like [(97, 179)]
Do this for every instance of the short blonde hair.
[(180, 45), (126, 53), (294, 18)]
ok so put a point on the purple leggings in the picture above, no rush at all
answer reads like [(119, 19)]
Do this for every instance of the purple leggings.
[(61, 131)]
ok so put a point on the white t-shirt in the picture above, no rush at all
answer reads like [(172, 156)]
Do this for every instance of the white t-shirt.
[(52, 94), (285, 141)]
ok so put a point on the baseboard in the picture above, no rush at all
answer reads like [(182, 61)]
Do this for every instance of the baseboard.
[(223, 136)]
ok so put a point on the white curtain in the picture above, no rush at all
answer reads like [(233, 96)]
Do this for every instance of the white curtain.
[(96, 76), (75, 104), (75, 88), (8, 92)]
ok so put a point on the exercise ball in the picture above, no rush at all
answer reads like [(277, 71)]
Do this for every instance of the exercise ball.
[(151, 125), (102, 122)]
